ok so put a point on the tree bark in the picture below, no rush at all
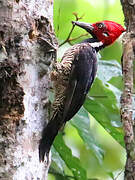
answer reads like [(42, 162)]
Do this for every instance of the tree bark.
[(27, 47), (127, 96)]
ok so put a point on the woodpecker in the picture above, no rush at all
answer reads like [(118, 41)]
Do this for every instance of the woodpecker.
[(73, 77)]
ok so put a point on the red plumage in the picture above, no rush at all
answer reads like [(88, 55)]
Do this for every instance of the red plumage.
[(107, 31)]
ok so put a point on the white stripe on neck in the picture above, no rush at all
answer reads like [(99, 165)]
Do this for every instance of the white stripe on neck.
[(96, 44)]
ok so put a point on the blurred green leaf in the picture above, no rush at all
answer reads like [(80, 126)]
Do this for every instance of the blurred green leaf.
[(102, 104), (117, 82), (57, 163), (58, 176), (108, 69), (111, 175), (82, 124), (110, 73), (112, 52), (72, 162)]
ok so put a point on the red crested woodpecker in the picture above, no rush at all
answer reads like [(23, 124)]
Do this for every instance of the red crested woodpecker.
[(74, 75)]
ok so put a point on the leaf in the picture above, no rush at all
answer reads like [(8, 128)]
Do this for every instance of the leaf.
[(108, 69), (72, 162), (58, 176), (111, 175), (82, 123), (112, 52), (57, 163), (117, 82), (102, 104), (110, 73)]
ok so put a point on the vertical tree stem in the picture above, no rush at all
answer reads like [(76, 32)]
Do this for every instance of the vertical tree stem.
[(126, 98)]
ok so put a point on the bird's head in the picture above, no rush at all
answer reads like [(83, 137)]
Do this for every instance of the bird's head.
[(104, 31)]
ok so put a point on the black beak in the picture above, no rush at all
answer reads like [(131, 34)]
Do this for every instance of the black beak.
[(87, 26)]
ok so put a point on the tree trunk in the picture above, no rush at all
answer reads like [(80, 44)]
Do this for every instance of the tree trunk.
[(127, 96), (27, 47)]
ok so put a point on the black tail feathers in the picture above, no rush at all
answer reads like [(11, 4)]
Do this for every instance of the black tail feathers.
[(48, 135)]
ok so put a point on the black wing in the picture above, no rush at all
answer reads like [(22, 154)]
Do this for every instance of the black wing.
[(81, 78)]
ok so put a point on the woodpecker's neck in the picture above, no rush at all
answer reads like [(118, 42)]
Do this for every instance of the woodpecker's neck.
[(98, 45)]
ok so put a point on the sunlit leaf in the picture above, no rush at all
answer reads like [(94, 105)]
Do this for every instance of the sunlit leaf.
[(117, 82), (102, 104), (111, 175), (110, 73), (82, 124), (108, 69), (112, 52), (72, 162), (57, 163), (58, 176)]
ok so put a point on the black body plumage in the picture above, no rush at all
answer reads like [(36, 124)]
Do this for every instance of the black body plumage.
[(72, 78)]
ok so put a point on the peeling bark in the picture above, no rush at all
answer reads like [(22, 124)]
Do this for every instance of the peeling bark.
[(127, 96), (27, 47)]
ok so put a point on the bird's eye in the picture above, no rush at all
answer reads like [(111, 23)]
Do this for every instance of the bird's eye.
[(100, 25), (105, 34)]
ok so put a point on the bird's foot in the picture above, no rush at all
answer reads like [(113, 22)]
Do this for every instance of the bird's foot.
[(46, 158)]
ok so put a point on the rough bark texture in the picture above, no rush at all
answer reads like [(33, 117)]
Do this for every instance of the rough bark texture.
[(127, 96), (27, 47)]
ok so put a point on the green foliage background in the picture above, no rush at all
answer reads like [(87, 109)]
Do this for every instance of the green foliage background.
[(92, 146)]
